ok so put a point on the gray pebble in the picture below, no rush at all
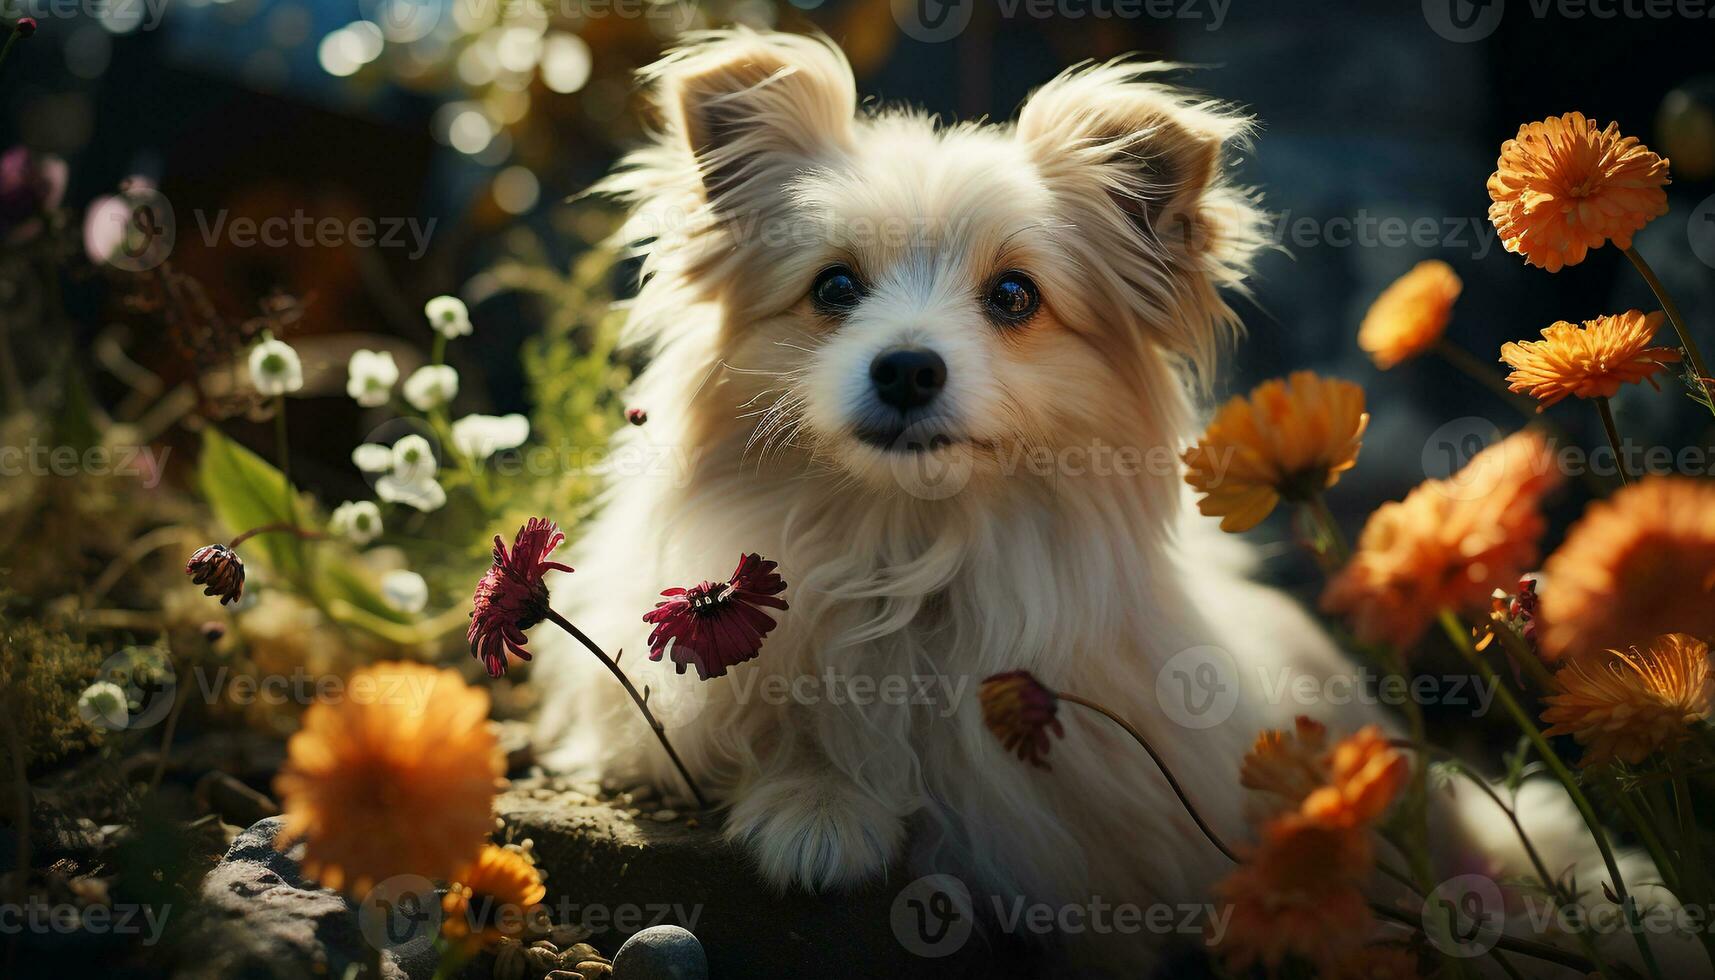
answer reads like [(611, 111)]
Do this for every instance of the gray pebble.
[(661, 953)]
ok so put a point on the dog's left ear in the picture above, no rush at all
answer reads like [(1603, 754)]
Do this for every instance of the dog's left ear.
[(1155, 152), (1138, 169)]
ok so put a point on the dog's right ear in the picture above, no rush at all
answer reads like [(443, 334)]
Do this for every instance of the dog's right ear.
[(753, 108)]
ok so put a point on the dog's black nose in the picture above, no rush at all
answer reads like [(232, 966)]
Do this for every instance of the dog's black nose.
[(908, 378)]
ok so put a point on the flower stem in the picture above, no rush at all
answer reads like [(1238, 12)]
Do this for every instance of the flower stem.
[(1456, 632), (11, 39), (1159, 764), (659, 729), (283, 451), (1692, 354), (301, 533), (1330, 542), (1613, 431)]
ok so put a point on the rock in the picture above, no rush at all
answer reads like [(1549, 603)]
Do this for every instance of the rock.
[(266, 921), (661, 953), (616, 877)]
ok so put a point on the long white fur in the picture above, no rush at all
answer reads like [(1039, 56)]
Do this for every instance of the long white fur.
[(1109, 191)]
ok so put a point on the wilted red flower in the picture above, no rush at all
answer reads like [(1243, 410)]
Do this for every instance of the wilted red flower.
[(1021, 713), (512, 597), (636, 416), (716, 625), (220, 569), (25, 27)]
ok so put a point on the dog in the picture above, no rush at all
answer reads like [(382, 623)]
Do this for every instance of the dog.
[(941, 374)]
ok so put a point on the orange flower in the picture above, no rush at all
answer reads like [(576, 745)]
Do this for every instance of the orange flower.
[(1287, 766), (1448, 545), (1562, 187), (1641, 563), (1591, 361), (1630, 705), (1297, 894), (489, 900), (1290, 439), (397, 777), (1365, 775), (1410, 315)]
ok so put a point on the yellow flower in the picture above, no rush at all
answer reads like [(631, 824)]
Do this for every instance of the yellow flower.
[(490, 899), (1410, 315), (1629, 705), (1448, 545), (396, 777), (1290, 439), (1591, 361), (1563, 186), (1639, 564)]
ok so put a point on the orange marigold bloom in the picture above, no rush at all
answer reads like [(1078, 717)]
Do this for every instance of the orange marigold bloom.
[(396, 777), (1297, 894), (1365, 775), (1288, 766), (1290, 439), (1639, 564), (1630, 705), (1449, 544), (1591, 361), (1563, 187), (490, 899), (1410, 315)]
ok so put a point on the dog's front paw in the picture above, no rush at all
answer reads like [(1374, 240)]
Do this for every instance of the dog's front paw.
[(814, 833)]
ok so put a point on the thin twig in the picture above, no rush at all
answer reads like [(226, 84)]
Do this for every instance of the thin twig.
[(642, 703)]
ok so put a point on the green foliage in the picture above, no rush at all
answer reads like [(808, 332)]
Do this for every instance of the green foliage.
[(42, 672)]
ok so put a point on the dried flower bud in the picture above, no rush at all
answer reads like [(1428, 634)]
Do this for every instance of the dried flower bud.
[(636, 416), (1021, 713), (25, 26), (220, 569)]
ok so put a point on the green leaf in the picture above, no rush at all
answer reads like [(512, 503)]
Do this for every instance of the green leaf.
[(246, 492)]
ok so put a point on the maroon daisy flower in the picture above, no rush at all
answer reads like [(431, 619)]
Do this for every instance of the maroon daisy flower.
[(1021, 713), (220, 569), (512, 597), (716, 625)]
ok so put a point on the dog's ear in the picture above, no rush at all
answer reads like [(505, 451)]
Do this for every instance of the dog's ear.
[(1155, 151), (749, 106), (1138, 169)]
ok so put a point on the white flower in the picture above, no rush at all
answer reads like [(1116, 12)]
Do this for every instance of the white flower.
[(372, 375), (429, 388), (103, 705), (405, 591), (447, 314), (478, 437), (275, 368), (372, 457), (358, 521), (412, 479)]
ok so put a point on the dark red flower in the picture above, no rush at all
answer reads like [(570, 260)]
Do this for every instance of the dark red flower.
[(512, 597), (220, 569), (636, 416), (25, 27), (30, 187), (716, 625), (1021, 713)]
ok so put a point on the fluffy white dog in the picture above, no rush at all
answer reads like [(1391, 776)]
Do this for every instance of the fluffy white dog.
[(941, 374)]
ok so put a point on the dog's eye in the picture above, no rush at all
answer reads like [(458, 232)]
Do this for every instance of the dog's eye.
[(836, 290), (1014, 298)]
